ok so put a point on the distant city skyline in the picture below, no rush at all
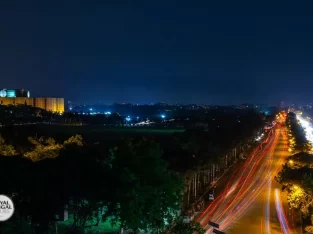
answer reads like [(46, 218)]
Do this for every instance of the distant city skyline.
[(180, 103)]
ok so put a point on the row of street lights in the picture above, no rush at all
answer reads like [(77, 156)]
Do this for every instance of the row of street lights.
[(128, 118)]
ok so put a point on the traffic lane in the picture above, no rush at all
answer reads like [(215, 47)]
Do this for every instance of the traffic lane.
[(220, 185), (233, 208), (243, 198), (253, 192), (288, 218), (221, 188), (233, 202), (264, 220), (221, 199), (249, 160)]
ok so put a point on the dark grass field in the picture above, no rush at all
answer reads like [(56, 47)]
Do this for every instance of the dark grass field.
[(90, 133)]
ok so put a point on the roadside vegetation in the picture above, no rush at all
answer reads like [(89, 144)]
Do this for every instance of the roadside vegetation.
[(296, 175)]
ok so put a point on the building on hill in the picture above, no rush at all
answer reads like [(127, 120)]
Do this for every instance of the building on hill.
[(22, 97)]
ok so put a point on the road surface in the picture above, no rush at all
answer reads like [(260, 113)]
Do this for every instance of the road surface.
[(252, 202)]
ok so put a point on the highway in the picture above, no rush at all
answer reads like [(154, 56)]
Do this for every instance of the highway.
[(252, 202)]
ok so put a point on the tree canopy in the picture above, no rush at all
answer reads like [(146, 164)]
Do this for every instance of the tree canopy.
[(129, 185), (296, 176), (147, 195), (186, 228), (299, 185), (301, 159)]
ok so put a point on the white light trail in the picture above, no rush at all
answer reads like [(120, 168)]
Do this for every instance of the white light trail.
[(281, 214), (307, 128)]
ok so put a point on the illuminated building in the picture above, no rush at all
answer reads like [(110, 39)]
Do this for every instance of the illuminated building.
[(22, 97), (12, 93)]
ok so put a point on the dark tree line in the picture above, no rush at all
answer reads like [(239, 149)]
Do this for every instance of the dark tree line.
[(202, 156), (130, 185), (21, 114)]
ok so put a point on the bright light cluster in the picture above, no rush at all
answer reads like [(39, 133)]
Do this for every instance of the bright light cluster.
[(259, 137), (307, 128)]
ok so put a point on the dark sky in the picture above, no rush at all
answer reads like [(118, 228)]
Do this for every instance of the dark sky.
[(223, 52)]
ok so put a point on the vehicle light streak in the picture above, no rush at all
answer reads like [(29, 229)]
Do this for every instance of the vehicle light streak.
[(262, 185), (267, 208), (211, 208), (232, 189), (241, 178), (281, 214), (243, 188)]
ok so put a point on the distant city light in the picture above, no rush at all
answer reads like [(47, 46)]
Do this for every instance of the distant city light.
[(107, 113), (71, 108), (128, 118), (162, 116), (90, 109)]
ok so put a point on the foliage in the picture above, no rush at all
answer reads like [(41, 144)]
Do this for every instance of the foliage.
[(309, 229), (187, 228), (15, 224), (20, 114), (44, 148), (147, 195), (296, 175), (301, 159), (48, 148), (76, 140), (201, 156), (5, 149), (131, 185), (298, 183)]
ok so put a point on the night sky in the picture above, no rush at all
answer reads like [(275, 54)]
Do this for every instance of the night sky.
[(212, 52)]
